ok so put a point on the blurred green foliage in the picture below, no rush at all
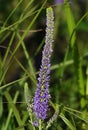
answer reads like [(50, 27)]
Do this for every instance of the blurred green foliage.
[(22, 32)]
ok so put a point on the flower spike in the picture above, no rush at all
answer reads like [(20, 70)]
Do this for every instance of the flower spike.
[(42, 96)]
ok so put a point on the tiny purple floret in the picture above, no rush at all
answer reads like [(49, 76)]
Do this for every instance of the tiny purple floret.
[(35, 123)]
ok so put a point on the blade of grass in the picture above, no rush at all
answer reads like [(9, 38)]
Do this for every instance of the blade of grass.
[(87, 82), (78, 73), (15, 110), (57, 19), (2, 39), (11, 83), (71, 26), (12, 26), (70, 23), (11, 111), (81, 19), (67, 122), (64, 61), (8, 49), (26, 71), (1, 106), (78, 23), (31, 68), (24, 11), (28, 14), (40, 46), (10, 43), (77, 114), (12, 12), (22, 38)]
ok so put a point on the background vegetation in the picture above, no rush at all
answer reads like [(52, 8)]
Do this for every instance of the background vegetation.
[(22, 33)]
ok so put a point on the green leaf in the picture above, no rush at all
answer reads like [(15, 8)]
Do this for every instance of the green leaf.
[(78, 73), (67, 122), (70, 23), (1, 106), (8, 119), (15, 110), (87, 81)]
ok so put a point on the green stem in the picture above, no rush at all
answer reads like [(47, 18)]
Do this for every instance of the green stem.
[(40, 125)]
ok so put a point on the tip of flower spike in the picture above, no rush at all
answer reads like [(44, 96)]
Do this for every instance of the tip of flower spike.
[(49, 9)]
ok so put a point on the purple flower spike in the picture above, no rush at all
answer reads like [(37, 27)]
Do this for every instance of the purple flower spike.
[(41, 99)]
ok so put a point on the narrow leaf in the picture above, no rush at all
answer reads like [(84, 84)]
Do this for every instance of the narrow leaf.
[(67, 122)]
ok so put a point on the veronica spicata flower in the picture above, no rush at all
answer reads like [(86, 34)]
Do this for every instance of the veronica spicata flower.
[(41, 98)]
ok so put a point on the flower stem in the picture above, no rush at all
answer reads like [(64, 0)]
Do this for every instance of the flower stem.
[(40, 125)]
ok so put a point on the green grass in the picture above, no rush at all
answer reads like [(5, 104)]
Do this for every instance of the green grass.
[(20, 53)]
